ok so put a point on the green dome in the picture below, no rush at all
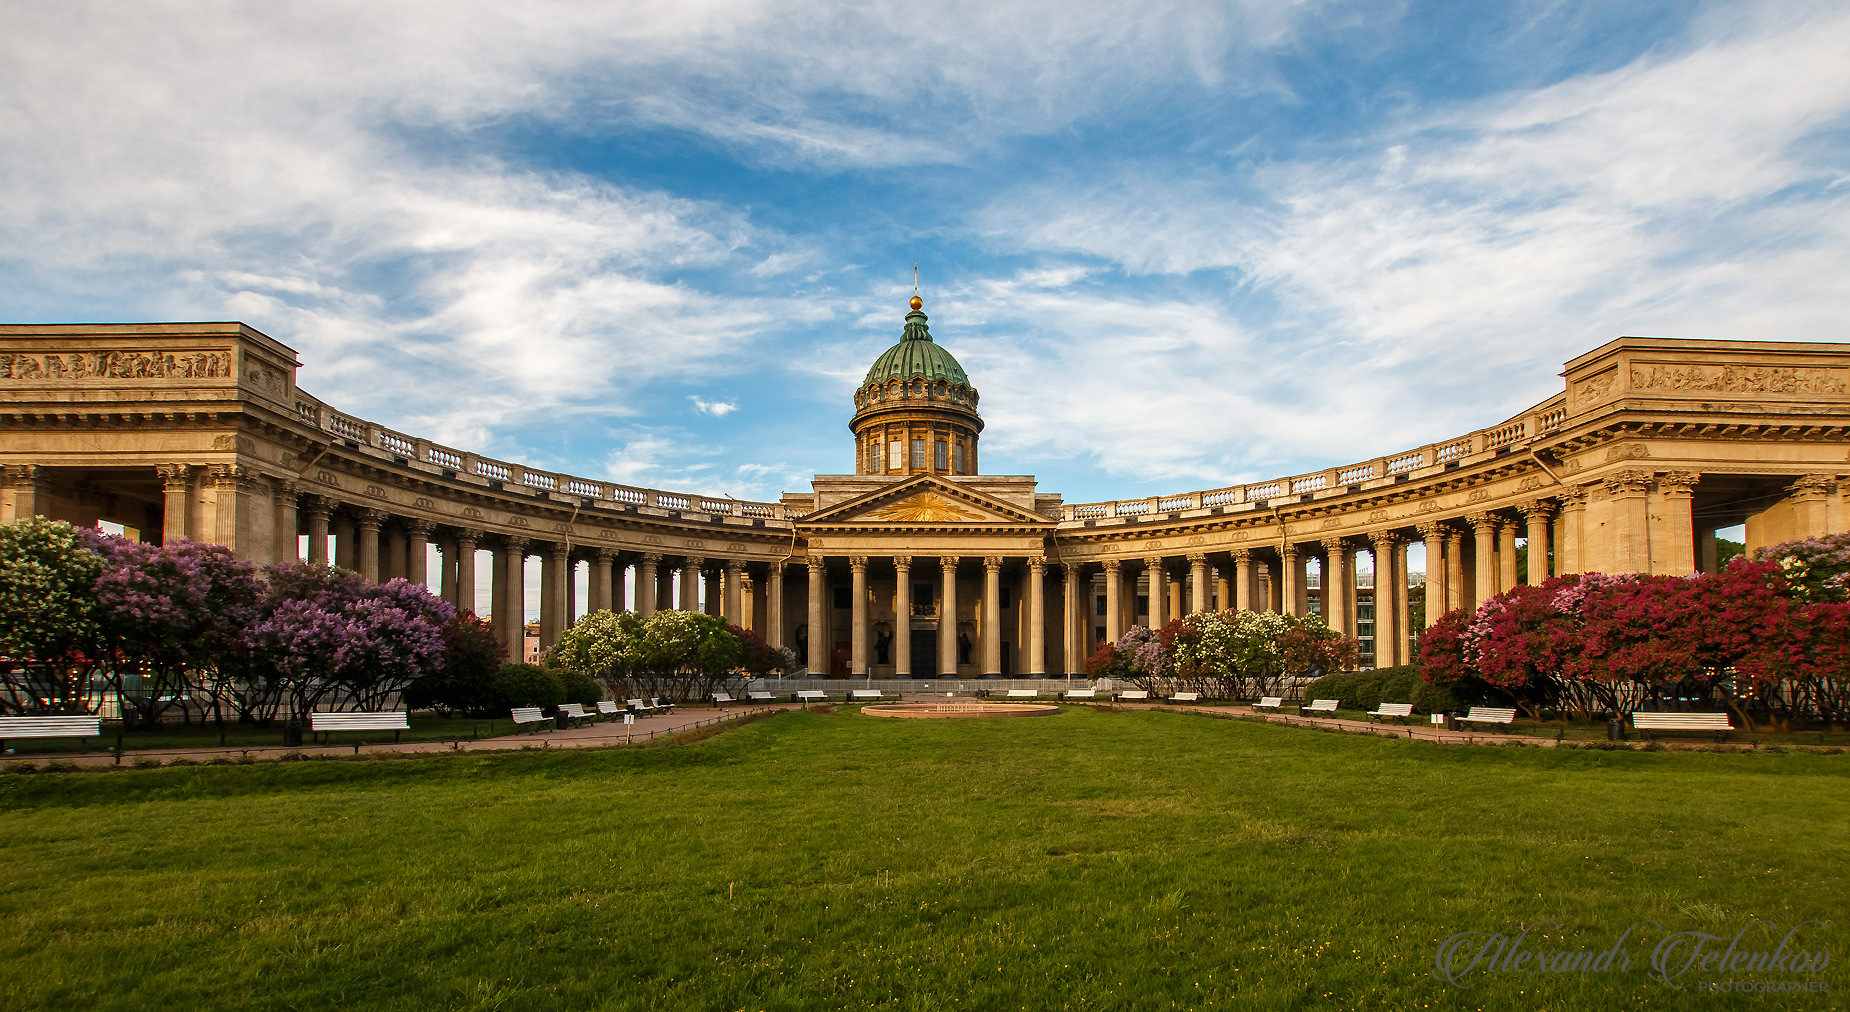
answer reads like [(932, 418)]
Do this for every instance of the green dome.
[(916, 355)]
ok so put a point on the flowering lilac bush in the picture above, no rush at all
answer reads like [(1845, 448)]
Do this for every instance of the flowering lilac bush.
[(189, 621), (1816, 569)]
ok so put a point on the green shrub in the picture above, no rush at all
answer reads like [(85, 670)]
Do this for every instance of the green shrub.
[(580, 688), (1367, 690), (528, 685)]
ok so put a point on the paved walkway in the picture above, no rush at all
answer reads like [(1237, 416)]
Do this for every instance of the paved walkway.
[(604, 733)]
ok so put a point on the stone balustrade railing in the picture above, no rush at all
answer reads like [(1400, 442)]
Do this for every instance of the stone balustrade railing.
[(360, 434), (1482, 444)]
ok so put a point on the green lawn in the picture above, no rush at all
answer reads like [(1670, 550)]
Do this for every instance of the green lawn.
[(1129, 860)]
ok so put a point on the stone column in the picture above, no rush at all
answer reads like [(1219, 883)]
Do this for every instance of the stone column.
[(1078, 622), (712, 580), (320, 515), (857, 635), (648, 583), (1537, 514), (1275, 587), (1336, 581), (1506, 554), (26, 491), (819, 643), (734, 610), (902, 616), (1037, 617), (664, 586), (992, 615), (690, 582), (1159, 589), (555, 599), (1674, 542), (1197, 583), (1291, 570), (417, 552), (774, 605), (1242, 579), (1403, 614), (465, 568), (1616, 530), (1454, 569), (1223, 590), (176, 491), (599, 590), (1114, 587), (366, 539), (233, 486), (1484, 573), (1434, 536), (947, 618), (446, 570), (514, 582), (1573, 514), (283, 521), (1387, 608), (395, 551)]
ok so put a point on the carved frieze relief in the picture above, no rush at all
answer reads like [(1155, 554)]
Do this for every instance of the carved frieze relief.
[(375, 491), (327, 478), (1627, 451), (79, 365), (472, 513), (1741, 379)]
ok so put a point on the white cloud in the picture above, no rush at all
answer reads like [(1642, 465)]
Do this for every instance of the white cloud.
[(1436, 281), (718, 409)]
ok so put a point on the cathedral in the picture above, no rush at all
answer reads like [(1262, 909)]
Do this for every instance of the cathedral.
[(918, 565)]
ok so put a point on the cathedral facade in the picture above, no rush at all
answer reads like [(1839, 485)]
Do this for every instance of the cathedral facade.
[(917, 564)]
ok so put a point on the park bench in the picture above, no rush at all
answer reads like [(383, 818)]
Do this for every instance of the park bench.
[(1134, 696), (1717, 724), (1080, 694), (395, 721), (866, 695), (1399, 711), (722, 698), (80, 726), (1270, 703), (574, 713), (640, 706), (1022, 694), (1186, 697), (529, 717), (609, 708), (808, 696), (1489, 715), (1319, 706), (761, 697)]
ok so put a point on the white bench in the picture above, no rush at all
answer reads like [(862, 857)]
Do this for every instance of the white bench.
[(1490, 715), (1023, 694), (1270, 703), (1134, 695), (722, 698), (1080, 694), (640, 706), (528, 717), (395, 721), (1319, 706), (1399, 711), (808, 696), (1186, 697), (864, 695), (761, 697), (574, 713), (1717, 724), (81, 726), (609, 708)]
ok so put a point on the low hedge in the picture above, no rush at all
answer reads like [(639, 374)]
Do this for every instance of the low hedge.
[(1367, 690)]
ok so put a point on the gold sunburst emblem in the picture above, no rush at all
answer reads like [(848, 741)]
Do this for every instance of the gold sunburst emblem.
[(924, 508)]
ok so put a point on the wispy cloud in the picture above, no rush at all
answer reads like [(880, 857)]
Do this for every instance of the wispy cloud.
[(718, 409)]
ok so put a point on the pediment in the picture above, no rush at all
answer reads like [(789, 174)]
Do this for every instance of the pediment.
[(925, 501)]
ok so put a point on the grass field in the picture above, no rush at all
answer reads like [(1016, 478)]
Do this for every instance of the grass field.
[(1141, 860)]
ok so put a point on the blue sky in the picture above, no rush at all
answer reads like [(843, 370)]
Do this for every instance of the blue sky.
[(1175, 245)]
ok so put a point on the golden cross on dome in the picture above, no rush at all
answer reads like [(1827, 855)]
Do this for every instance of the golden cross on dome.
[(915, 277)]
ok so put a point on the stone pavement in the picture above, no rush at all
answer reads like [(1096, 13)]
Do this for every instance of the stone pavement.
[(603, 733)]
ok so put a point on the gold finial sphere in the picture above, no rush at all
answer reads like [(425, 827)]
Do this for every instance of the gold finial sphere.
[(917, 302)]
